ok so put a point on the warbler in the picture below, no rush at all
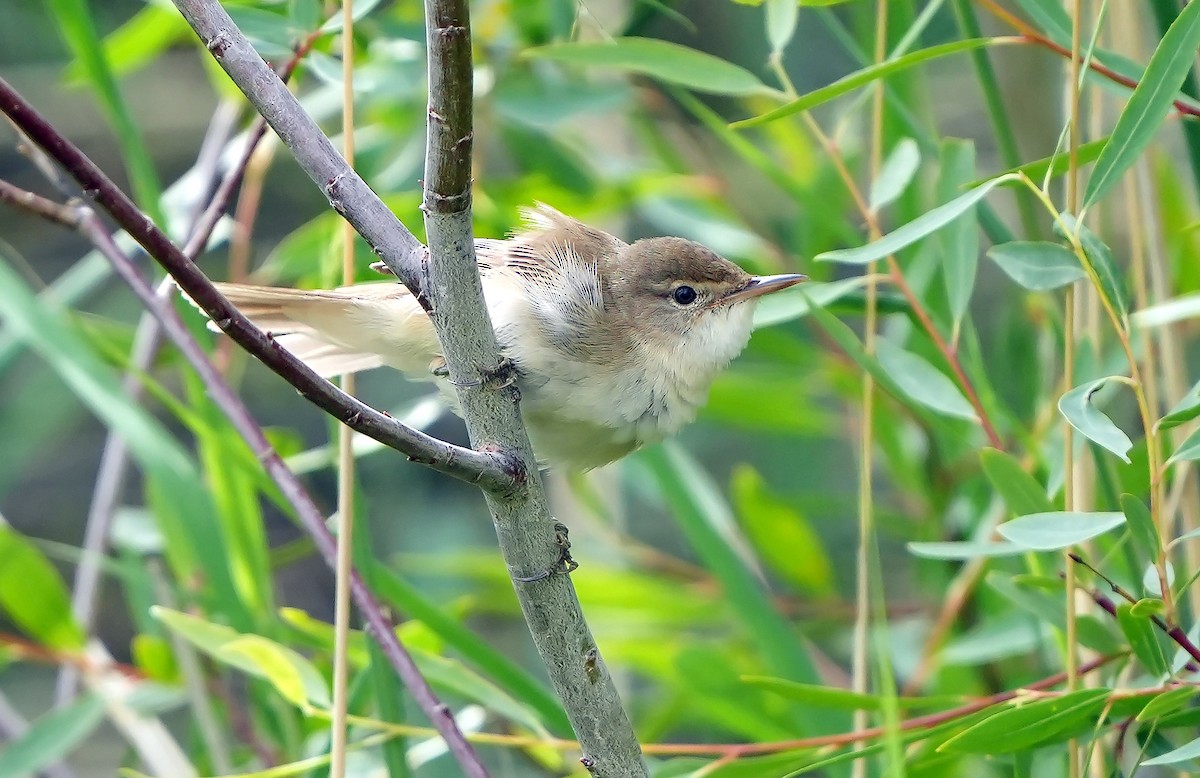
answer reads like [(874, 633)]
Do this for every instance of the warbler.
[(613, 345)]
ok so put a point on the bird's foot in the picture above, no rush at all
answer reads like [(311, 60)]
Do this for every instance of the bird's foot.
[(565, 565), (503, 375)]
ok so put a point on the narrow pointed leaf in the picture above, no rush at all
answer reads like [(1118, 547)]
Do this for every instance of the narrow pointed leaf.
[(922, 383), (1076, 405), (896, 173), (1182, 754), (960, 238), (51, 738), (1184, 411), (1100, 257), (918, 228), (1188, 451), (782, 16), (1024, 725), (865, 76), (962, 550), (1142, 639), (1141, 528), (33, 595), (1149, 103), (1167, 702), (1037, 265), (667, 62), (1058, 529)]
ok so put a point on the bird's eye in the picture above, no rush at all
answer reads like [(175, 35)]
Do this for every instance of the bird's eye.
[(684, 295)]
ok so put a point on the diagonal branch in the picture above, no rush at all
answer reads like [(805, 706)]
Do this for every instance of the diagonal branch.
[(489, 470)]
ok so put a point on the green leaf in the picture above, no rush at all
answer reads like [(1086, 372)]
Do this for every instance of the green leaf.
[(51, 737), (962, 550), (668, 62), (918, 228), (1182, 754), (1168, 312), (1021, 491), (1058, 529), (1167, 702), (896, 173), (701, 516), (1141, 528), (781, 23), (866, 76), (475, 648), (784, 539), (185, 511), (922, 383), (1055, 165), (139, 40), (960, 238), (33, 595), (1037, 265), (1149, 104), (1018, 726), (1148, 606), (1101, 259), (78, 27), (1188, 451), (1142, 639), (1076, 406), (849, 342), (1184, 411), (293, 676)]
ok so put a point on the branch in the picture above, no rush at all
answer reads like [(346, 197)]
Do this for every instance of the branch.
[(490, 471), (532, 543), (534, 546), (289, 485)]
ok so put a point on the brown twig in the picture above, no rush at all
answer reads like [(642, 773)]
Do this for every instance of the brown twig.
[(847, 738), (1035, 37), (1173, 631), (46, 208)]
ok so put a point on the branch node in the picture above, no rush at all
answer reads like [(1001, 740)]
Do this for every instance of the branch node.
[(333, 188), (219, 44), (564, 565), (450, 32), (591, 664), (436, 202), (463, 143)]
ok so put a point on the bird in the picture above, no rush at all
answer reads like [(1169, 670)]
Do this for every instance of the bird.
[(612, 345)]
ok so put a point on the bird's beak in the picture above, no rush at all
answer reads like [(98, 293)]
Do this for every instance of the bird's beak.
[(760, 285)]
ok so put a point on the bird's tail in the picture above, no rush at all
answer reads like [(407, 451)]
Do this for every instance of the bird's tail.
[(337, 331)]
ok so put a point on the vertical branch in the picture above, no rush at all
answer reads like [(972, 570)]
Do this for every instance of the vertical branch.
[(345, 438), (866, 508), (533, 544), (1069, 316)]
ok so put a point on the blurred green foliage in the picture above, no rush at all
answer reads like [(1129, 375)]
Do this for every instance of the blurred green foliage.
[(721, 572)]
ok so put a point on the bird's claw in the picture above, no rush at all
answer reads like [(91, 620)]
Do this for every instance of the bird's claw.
[(565, 565)]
